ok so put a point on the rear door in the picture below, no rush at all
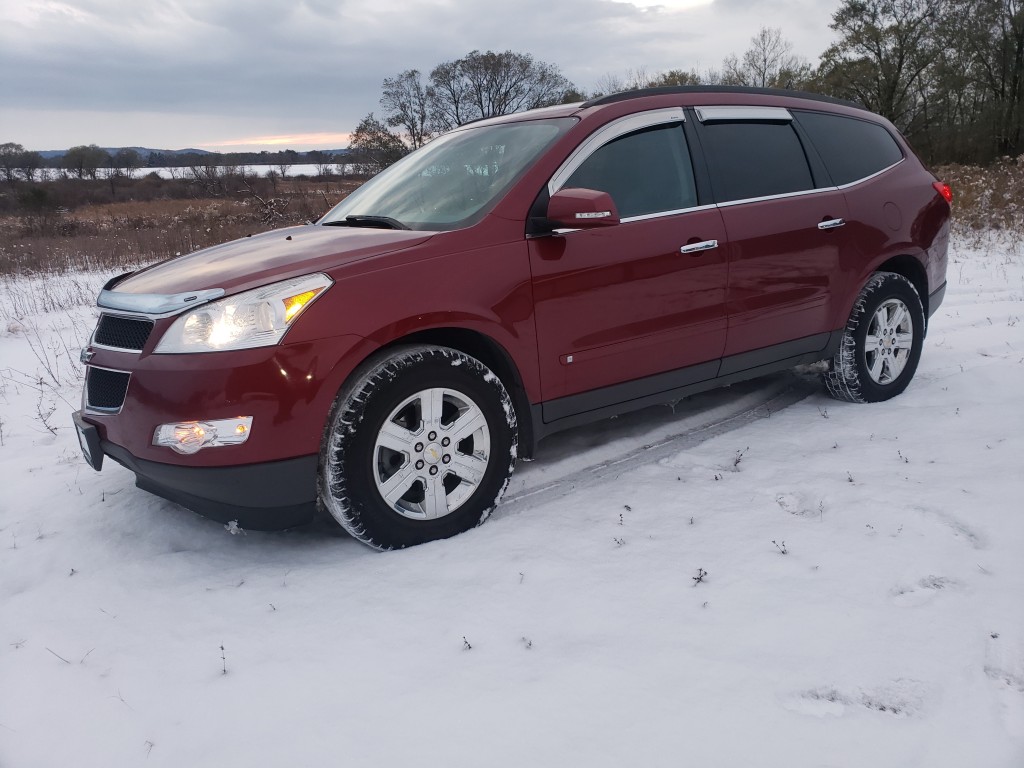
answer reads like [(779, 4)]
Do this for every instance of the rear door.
[(785, 225), (620, 305)]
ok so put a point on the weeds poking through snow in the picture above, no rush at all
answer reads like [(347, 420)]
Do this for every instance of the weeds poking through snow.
[(223, 661), (849, 476), (627, 508), (620, 518), (45, 413), (465, 644), (823, 412), (781, 547), (58, 656), (618, 542), (738, 458), (527, 642), (521, 577), (149, 748), (699, 578), (904, 458)]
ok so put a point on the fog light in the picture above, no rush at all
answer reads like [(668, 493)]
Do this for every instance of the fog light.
[(192, 436)]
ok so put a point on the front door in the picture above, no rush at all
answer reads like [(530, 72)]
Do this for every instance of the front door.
[(627, 306)]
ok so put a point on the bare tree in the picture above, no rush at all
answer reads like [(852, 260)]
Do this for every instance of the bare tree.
[(406, 106), (84, 161), (126, 161), (375, 147), (882, 59), (10, 157), (323, 162), (769, 62), (285, 160), (488, 84)]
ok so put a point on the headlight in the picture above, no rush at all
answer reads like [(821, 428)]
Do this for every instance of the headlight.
[(257, 318)]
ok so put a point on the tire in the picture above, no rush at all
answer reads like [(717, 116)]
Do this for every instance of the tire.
[(420, 446), (881, 344)]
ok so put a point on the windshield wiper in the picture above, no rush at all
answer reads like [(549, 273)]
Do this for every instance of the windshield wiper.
[(378, 222)]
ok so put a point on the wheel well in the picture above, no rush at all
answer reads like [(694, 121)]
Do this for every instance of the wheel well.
[(494, 356), (911, 269)]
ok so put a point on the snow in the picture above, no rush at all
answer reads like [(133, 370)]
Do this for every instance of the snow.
[(571, 628)]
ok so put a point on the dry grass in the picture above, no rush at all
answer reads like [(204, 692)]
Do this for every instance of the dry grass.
[(124, 234), (987, 199)]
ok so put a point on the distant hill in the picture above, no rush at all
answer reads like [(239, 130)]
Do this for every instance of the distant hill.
[(145, 152), (49, 154)]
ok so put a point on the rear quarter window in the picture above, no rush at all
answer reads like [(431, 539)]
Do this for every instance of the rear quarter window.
[(755, 159), (851, 149)]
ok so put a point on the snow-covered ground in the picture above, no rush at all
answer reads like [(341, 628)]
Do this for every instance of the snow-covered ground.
[(863, 603)]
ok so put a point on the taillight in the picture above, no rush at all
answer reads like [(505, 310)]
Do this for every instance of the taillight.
[(945, 190)]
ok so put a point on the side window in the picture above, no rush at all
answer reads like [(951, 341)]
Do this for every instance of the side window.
[(852, 149), (755, 159), (648, 171)]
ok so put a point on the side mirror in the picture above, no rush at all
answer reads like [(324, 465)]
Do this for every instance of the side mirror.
[(576, 208)]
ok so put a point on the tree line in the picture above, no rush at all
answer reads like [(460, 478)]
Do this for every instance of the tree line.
[(92, 162), (948, 73)]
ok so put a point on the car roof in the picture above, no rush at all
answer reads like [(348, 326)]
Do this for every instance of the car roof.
[(692, 97), (716, 89)]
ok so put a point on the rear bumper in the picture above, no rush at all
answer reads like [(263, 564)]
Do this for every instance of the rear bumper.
[(269, 496)]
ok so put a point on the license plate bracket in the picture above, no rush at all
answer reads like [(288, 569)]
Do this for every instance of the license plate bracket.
[(89, 441)]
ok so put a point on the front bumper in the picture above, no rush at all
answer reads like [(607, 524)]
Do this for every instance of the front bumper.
[(268, 496)]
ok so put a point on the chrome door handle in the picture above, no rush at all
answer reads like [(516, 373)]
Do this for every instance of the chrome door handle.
[(831, 224), (705, 245)]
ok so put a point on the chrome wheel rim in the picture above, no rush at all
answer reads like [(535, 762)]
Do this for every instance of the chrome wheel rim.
[(431, 454), (889, 341)]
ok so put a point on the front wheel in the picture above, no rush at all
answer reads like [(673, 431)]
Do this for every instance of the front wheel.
[(419, 447), (881, 344)]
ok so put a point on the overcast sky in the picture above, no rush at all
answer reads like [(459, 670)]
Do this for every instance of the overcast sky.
[(230, 75)]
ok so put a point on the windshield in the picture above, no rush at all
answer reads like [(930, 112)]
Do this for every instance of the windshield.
[(452, 181)]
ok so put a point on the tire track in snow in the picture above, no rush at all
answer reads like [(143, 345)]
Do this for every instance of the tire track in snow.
[(794, 389)]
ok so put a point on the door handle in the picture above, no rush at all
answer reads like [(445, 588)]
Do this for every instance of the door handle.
[(705, 245), (831, 224)]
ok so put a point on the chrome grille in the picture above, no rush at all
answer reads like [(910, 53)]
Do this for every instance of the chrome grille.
[(123, 332), (105, 389)]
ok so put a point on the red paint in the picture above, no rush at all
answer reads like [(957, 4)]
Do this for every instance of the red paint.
[(622, 301)]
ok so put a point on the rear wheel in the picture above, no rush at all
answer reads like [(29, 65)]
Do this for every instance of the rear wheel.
[(881, 344), (420, 447)]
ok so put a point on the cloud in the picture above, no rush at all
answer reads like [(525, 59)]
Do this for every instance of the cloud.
[(310, 66)]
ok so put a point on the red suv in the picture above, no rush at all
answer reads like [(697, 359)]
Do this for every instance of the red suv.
[(515, 277)]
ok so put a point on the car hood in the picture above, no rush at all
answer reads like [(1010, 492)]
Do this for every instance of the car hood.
[(266, 258)]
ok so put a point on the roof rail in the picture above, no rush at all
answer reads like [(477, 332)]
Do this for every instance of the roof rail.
[(671, 89)]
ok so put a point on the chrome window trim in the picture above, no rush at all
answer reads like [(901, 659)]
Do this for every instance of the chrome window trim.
[(609, 132), (784, 195), (712, 114), (155, 305), (662, 214), (849, 184), (104, 411)]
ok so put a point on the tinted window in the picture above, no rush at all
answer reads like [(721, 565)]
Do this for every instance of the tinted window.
[(645, 172), (755, 159), (852, 149)]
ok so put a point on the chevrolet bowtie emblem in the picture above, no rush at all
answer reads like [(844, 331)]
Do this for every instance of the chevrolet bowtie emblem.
[(86, 355)]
